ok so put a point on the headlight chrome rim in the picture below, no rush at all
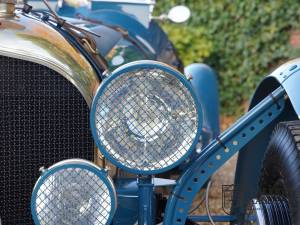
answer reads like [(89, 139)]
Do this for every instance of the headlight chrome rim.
[(139, 65), (75, 164)]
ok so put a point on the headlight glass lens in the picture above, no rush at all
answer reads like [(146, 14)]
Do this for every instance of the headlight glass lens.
[(146, 119), (73, 196)]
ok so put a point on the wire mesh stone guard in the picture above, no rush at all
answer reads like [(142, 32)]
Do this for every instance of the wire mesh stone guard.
[(73, 192), (145, 119)]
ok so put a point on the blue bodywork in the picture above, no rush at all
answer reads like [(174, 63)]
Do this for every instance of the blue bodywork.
[(127, 35), (217, 153), (153, 44), (204, 81), (146, 42), (151, 40), (274, 101), (122, 32), (133, 40), (128, 201), (249, 162)]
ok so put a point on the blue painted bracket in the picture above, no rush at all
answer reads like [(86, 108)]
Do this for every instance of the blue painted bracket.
[(146, 201), (250, 159), (218, 152)]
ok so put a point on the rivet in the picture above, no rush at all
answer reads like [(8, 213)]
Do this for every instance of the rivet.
[(42, 169), (189, 77)]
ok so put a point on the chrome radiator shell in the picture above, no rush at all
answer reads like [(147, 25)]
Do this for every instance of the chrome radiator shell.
[(35, 58), (28, 39)]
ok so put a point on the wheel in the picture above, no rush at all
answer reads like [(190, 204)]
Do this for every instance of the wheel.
[(268, 210), (279, 186)]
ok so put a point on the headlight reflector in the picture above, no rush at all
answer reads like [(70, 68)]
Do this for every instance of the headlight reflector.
[(73, 192), (145, 117)]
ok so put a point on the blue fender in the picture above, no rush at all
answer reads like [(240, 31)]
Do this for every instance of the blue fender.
[(114, 18), (204, 82), (128, 202), (152, 40), (250, 159)]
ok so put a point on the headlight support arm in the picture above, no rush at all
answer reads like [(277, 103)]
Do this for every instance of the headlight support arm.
[(218, 152)]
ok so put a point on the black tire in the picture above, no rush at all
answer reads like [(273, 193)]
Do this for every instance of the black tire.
[(280, 175)]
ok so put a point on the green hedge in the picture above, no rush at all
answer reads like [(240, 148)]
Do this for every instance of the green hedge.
[(243, 40)]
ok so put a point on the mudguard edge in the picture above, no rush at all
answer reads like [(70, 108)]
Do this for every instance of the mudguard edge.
[(250, 159)]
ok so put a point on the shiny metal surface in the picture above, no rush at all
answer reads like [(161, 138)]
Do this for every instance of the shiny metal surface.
[(28, 39), (74, 192), (7, 8), (255, 216), (145, 118)]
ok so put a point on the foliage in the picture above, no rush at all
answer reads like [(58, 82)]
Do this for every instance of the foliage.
[(186, 38), (242, 40)]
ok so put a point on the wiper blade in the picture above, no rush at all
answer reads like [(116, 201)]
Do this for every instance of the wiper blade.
[(82, 35)]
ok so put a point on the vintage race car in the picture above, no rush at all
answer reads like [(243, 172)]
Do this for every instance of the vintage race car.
[(101, 123)]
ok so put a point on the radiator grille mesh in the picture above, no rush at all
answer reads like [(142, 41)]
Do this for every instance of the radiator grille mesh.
[(43, 120)]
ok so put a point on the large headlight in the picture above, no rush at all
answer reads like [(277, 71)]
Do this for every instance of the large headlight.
[(73, 192), (145, 117)]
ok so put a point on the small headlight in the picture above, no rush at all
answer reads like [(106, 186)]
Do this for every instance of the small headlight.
[(73, 192), (145, 117)]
